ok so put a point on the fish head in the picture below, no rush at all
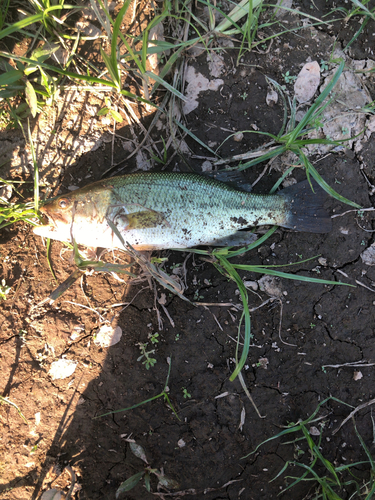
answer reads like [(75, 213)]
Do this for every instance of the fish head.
[(78, 213)]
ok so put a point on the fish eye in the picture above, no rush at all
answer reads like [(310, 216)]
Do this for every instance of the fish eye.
[(63, 203)]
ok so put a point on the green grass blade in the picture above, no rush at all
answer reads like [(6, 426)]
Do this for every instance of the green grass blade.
[(280, 274), (115, 33), (232, 273), (322, 183), (166, 85), (363, 9), (299, 479), (313, 109), (281, 93), (267, 156), (31, 98), (130, 407), (243, 250), (371, 493), (144, 49), (48, 249), (76, 76), (10, 403), (20, 24), (167, 67), (371, 460), (113, 70), (193, 136), (235, 15), (10, 77), (297, 427), (36, 169), (61, 289), (282, 178), (289, 430)]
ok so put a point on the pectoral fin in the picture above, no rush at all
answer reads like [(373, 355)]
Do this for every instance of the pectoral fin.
[(141, 220)]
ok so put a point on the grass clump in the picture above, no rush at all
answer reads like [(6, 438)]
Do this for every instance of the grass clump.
[(329, 480)]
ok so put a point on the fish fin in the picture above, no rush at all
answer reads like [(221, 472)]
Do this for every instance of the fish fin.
[(144, 220), (306, 211), (235, 179), (240, 238)]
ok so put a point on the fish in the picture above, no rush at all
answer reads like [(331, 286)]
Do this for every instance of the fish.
[(166, 210)]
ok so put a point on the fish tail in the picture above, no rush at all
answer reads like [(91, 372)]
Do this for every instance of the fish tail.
[(306, 212)]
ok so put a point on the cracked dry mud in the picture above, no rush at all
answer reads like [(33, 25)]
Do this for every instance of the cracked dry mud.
[(321, 325)]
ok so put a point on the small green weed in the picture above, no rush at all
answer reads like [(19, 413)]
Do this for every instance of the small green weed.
[(110, 109), (153, 338), (288, 78), (323, 65), (145, 474), (185, 393), (148, 361)]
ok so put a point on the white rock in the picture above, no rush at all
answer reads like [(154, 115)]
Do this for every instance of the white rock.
[(271, 286), (216, 64), (6, 192), (62, 368), (368, 256), (279, 11), (314, 431), (181, 443), (272, 97), (107, 336), (128, 146), (251, 284), (197, 83), (53, 494), (342, 118), (307, 82), (37, 418), (206, 166), (370, 124)]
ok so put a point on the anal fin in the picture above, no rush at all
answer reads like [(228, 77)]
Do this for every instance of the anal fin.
[(240, 238)]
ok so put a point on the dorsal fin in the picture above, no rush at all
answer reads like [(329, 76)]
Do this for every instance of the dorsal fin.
[(233, 178)]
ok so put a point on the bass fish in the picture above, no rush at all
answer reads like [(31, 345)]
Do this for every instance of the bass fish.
[(154, 211)]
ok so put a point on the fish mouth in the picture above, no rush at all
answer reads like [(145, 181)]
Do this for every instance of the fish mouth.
[(50, 227), (46, 230)]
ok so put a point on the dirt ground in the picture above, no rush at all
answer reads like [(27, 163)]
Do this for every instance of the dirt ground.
[(287, 372)]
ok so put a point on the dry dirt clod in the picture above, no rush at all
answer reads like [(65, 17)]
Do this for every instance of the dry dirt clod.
[(307, 82)]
